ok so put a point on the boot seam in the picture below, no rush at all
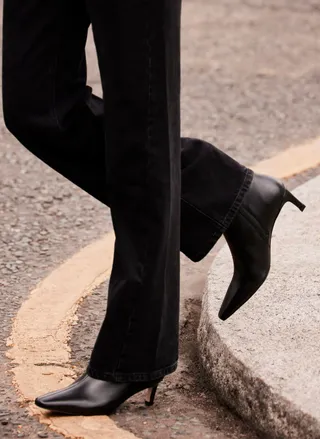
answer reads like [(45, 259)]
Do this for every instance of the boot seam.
[(250, 218)]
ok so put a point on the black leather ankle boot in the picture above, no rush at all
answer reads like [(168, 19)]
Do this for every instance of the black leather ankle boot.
[(249, 239), (89, 396)]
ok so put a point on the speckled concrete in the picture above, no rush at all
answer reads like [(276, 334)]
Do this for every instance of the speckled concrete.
[(264, 361)]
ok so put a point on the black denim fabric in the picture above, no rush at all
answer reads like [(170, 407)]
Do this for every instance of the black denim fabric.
[(124, 150)]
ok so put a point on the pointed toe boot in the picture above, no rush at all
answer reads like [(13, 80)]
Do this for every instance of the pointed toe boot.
[(249, 239), (88, 396)]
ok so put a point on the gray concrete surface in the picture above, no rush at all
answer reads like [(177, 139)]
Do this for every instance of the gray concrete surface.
[(264, 360), (250, 84)]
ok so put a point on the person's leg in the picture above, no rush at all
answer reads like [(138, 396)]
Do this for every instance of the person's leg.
[(138, 47), (49, 108), (46, 102)]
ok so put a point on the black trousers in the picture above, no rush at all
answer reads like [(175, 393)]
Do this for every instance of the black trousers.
[(126, 151)]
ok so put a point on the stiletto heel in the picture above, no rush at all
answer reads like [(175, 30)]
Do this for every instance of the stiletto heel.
[(151, 395), (289, 197)]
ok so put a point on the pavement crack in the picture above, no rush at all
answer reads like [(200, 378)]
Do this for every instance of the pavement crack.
[(63, 365)]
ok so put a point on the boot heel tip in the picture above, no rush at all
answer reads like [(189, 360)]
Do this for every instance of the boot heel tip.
[(300, 206), (292, 199)]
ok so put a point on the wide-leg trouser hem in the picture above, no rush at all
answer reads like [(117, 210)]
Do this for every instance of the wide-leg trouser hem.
[(208, 230), (132, 376)]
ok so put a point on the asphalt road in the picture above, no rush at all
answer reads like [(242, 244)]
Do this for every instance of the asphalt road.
[(251, 76)]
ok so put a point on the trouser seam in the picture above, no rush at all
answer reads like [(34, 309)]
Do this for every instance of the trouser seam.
[(148, 141), (54, 79)]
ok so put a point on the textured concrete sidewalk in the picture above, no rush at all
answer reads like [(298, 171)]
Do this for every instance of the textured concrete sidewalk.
[(264, 361)]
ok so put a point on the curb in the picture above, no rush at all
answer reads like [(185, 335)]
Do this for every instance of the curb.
[(263, 361)]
